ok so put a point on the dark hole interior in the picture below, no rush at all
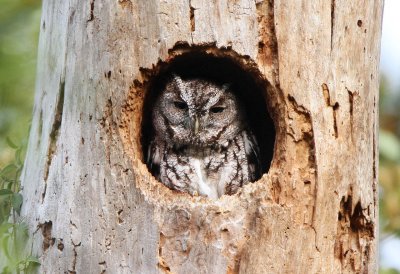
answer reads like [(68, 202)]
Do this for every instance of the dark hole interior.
[(246, 83)]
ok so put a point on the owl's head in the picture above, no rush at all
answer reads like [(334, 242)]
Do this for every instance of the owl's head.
[(196, 112)]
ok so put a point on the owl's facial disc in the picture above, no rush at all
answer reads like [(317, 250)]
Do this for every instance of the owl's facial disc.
[(197, 113)]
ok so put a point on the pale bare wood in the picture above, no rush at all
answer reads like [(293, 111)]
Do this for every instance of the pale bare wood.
[(92, 206)]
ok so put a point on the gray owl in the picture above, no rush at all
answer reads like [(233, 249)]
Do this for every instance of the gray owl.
[(201, 142)]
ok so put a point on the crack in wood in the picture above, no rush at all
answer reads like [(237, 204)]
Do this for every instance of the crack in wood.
[(109, 126), (333, 6), (351, 101), (303, 135), (334, 107), (303, 117), (276, 190), (315, 236), (40, 127), (374, 155), (74, 259), (71, 17), (325, 91), (74, 250), (54, 133), (192, 20), (103, 264), (119, 217), (163, 266), (91, 16), (268, 44), (351, 109)]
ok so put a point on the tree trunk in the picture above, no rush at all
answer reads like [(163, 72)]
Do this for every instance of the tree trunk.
[(93, 207)]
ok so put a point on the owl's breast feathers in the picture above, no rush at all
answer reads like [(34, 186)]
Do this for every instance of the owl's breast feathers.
[(210, 171)]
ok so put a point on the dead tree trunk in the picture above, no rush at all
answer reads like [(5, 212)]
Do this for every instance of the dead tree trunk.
[(93, 207)]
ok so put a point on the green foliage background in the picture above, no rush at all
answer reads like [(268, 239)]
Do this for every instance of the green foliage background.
[(389, 164), (19, 31)]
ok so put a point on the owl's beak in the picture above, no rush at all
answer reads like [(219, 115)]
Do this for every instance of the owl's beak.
[(196, 125)]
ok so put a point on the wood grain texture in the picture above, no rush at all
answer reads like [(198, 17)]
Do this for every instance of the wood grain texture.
[(93, 207)]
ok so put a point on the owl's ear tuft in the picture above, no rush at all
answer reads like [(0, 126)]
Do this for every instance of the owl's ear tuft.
[(178, 81), (226, 86)]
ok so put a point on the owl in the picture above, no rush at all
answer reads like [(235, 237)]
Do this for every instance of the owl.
[(201, 143)]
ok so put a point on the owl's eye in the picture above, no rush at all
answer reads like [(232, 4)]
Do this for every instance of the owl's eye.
[(180, 105), (217, 109)]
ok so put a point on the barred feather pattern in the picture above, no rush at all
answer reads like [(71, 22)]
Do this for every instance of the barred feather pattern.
[(210, 172)]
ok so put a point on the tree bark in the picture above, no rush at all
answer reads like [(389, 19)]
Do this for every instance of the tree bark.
[(92, 206)]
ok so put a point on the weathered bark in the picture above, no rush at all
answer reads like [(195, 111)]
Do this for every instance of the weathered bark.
[(93, 207)]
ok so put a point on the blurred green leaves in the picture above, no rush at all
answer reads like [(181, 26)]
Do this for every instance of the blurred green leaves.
[(388, 271), (19, 29), (389, 160), (15, 257), (389, 179), (389, 146)]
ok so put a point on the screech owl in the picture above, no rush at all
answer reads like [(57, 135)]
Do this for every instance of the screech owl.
[(201, 143)]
